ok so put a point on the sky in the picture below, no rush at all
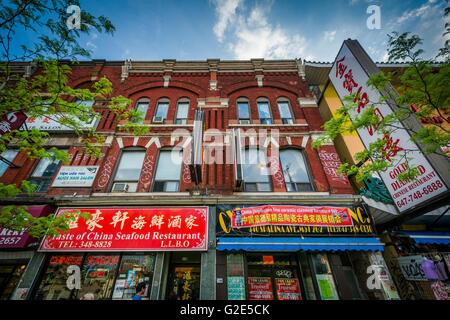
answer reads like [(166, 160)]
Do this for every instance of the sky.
[(245, 29)]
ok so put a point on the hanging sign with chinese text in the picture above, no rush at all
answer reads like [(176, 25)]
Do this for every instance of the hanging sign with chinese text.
[(348, 76), (12, 121), (133, 229), (292, 221)]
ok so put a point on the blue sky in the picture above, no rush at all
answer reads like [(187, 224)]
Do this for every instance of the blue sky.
[(244, 29)]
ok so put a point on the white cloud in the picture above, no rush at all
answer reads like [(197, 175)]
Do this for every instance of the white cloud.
[(226, 12), (329, 35), (91, 45), (253, 36)]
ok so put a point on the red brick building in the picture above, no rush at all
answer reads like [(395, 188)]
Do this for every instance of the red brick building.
[(271, 106)]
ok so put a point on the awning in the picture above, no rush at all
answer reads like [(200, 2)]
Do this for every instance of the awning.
[(295, 244), (427, 237)]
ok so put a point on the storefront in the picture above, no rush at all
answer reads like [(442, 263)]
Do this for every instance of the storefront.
[(16, 249), (270, 252), (419, 262), (106, 256)]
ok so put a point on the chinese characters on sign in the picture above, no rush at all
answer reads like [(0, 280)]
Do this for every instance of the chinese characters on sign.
[(348, 76), (290, 215), (12, 121), (131, 229)]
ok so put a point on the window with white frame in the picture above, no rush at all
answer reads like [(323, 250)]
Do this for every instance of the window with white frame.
[(285, 112), (128, 171), (243, 111), (256, 171), (265, 116), (44, 172), (181, 116), (296, 177), (141, 108), (9, 155), (161, 111), (168, 171)]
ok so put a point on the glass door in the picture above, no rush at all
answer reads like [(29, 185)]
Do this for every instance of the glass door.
[(184, 277)]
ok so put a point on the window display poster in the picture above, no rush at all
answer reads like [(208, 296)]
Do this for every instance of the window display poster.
[(236, 288), (287, 289), (326, 286), (260, 288), (119, 289), (390, 290)]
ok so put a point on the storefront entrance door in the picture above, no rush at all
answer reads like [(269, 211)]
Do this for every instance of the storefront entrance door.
[(273, 277), (184, 277)]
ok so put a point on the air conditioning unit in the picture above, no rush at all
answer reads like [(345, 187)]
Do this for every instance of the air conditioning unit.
[(244, 121), (120, 187), (158, 120)]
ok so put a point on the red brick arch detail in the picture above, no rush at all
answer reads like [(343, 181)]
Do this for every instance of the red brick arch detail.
[(78, 82), (266, 83), (198, 91)]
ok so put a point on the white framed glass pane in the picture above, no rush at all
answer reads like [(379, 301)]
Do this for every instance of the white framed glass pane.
[(141, 108), (46, 168), (263, 109), (169, 165), (182, 110), (130, 166), (255, 166), (8, 155), (293, 165), (285, 112), (162, 109), (243, 110)]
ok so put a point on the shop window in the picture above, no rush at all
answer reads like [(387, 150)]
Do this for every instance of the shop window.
[(8, 155), (97, 277), (243, 112), (9, 279), (264, 112), (141, 108), (133, 270), (295, 174), (273, 276), (129, 170), (168, 172), (324, 277), (285, 112), (53, 285), (235, 277), (161, 111), (44, 172), (307, 276), (182, 112), (256, 170)]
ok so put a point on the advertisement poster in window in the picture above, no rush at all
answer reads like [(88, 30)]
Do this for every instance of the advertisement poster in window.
[(236, 288), (287, 289), (326, 287), (133, 229), (260, 288)]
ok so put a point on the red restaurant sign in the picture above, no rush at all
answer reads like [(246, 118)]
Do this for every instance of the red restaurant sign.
[(291, 216), (133, 229)]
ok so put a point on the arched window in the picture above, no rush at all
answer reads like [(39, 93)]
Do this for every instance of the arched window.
[(182, 113), (256, 170), (141, 108), (296, 177), (168, 171), (243, 111), (162, 107), (129, 170), (265, 116), (285, 111)]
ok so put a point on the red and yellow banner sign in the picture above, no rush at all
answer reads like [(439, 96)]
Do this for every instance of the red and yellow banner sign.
[(133, 229), (291, 215)]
